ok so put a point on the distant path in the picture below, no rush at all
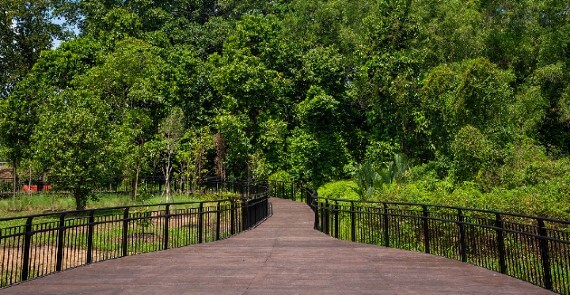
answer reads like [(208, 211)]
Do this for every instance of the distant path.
[(283, 255)]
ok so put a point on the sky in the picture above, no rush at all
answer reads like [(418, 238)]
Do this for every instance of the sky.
[(59, 21)]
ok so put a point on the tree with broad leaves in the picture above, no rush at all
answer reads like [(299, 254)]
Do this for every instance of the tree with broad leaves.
[(167, 143), (70, 143)]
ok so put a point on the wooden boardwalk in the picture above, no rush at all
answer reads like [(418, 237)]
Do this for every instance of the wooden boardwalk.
[(283, 255)]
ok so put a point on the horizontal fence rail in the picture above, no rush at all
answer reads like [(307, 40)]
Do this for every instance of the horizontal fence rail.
[(533, 249), (38, 245)]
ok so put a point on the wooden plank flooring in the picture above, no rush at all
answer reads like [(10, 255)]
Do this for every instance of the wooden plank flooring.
[(283, 255)]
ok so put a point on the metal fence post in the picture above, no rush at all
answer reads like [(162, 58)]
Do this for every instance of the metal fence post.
[(89, 258), (60, 237), (316, 208), (326, 218), (323, 214), (386, 227), (425, 217), (253, 213), (124, 243), (500, 243), (200, 223), (27, 245), (336, 221), (245, 214), (218, 220), (462, 243), (266, 207), (166, 227), (352, 221), (545, 255), (232, 218)]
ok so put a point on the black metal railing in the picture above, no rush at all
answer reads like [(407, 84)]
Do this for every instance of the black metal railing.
[(38, 245), (293, 191), (533, 249)]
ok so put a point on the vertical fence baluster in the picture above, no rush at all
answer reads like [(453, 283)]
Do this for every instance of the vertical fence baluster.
[(352, 221), (60, 236), (190, 215), (232, 218), (124, 243), (500, 243), (200, 223), (218, 220), (425, 217), (252, 212), (293, 192), (386, 227), (244, 214), (165, 236), (323, 215), (265, 207), (27, 245), (316, 209), (326, 218), (545, 255), (336, 221), (89, 258), (462, 243)]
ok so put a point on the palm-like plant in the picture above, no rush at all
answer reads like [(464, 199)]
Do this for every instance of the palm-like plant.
[(396, 169), (369, 179)]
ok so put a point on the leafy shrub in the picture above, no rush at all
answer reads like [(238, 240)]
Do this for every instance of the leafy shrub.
[(367, 180), (343, 189), (281, 176), (471, 151), (525, 164), (529, 182)]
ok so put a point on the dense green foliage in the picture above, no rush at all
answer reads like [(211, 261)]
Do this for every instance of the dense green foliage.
[(474, 92)]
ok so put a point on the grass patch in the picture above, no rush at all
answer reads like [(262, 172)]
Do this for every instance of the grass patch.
[(37, 203)]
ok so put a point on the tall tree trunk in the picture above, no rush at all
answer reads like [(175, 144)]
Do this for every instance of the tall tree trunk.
[(181, 179), (198, 170), (220, 159), (188, 179), (30, 181), (167, 187), (136, 187), (80, 200), (14, 181), (166, 171), (132, 193)]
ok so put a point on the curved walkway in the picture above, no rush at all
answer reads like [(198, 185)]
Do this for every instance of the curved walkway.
[(283, 255)]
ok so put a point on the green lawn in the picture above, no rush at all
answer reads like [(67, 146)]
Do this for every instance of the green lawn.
[(36, 203)]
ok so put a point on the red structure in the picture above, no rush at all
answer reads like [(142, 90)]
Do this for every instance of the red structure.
[(34, 188)]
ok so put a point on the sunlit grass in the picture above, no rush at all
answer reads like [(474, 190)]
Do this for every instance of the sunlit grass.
[(37, 203)]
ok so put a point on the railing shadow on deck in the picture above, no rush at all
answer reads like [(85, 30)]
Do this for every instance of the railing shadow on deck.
[(529, 248), (38, 245)]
